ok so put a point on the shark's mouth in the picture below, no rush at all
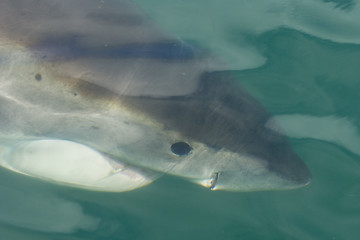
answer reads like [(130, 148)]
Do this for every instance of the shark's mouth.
[(213, 181)]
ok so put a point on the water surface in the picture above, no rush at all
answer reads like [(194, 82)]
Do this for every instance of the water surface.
[(300, 59)]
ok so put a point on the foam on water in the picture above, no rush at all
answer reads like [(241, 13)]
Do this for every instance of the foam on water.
[(339, 131), (215, 27), (43, 212)]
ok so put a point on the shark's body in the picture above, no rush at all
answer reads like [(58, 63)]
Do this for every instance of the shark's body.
[(100, 74)]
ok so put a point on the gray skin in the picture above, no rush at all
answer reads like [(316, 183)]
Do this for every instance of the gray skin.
[(99, 73)]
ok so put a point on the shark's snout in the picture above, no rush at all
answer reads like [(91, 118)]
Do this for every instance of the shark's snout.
[(252, 173), (255, 165), (271, 164)]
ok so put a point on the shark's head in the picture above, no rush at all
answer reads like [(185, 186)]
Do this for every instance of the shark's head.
[(218, 137)]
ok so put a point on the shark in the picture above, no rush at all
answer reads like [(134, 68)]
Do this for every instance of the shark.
[(95, 95)]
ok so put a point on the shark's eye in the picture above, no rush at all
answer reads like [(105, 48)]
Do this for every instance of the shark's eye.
[(180, 148)]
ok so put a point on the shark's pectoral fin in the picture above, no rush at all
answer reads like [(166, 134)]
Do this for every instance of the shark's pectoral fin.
[(72, 164)]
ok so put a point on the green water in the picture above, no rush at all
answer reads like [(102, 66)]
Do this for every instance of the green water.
[(306, 72)]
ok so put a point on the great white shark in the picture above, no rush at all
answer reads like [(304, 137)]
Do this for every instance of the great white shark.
[(95, 95)]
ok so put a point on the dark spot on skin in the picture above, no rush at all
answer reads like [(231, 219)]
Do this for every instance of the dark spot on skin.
[(38, 77), (180, 148), (75, 94), (95, 127)]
